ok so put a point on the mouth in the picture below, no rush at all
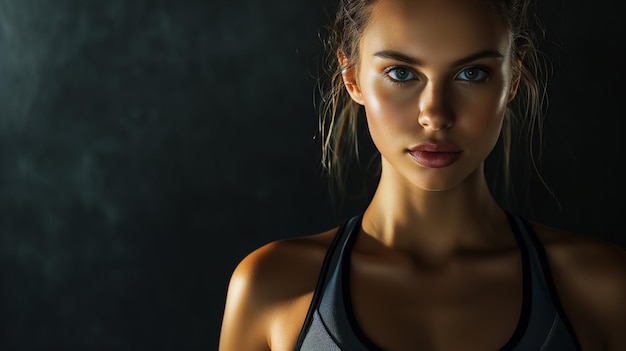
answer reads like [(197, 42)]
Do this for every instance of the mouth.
[(431, 159), (435, 155)]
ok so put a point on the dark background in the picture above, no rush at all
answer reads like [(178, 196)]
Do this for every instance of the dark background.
[(147, 146)]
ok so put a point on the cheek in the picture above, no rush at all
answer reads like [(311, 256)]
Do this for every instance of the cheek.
[(390, 110), (480, 118), (391, 126), (483, 113)]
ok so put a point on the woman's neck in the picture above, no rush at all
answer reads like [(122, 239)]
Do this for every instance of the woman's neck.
[(436, 224)]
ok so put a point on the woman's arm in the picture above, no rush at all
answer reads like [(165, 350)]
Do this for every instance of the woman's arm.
[(245, 314)]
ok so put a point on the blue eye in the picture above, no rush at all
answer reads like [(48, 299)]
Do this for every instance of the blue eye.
[(473, 74), (400, 74)]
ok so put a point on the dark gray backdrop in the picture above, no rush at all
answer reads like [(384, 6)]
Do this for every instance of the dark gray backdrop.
[(147, 146)]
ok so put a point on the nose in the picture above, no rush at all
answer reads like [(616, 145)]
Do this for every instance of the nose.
[(435, 111)]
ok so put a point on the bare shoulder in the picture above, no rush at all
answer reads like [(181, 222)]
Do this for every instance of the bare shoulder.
[(283, 268), (583, 257), (265, 284), (590, 277)]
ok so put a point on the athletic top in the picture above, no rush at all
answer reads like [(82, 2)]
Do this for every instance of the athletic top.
[(331, 325)]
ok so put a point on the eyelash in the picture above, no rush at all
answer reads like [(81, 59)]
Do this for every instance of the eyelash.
[(482, 70), (388, 70)]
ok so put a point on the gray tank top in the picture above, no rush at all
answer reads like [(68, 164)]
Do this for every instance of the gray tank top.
[(330, 324)]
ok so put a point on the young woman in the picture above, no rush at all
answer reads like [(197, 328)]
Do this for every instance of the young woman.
[(434, 262)]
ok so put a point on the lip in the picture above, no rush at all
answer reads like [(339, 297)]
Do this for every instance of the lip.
[(435, 154)]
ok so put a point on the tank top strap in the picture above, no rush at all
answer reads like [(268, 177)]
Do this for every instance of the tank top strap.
[(543, 324), (328, 325)]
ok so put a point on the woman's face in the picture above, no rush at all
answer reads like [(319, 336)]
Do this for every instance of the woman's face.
[(435, 78)]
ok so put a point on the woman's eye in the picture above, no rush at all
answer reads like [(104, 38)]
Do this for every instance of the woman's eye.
[(400, 74), (473, 74)]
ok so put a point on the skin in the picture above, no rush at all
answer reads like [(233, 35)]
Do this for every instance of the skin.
[(435, 263)]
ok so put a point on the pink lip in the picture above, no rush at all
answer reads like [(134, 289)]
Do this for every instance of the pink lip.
[(435, 155)]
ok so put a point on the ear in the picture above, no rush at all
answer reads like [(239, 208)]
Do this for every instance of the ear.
[(348, 74), (515, 79), (514, 84)]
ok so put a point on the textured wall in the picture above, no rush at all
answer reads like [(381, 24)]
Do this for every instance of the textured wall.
[(146, 146)]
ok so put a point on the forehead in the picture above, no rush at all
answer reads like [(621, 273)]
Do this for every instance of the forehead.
[(435, 29)]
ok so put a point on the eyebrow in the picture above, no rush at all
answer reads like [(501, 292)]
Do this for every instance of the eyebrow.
[(398, 56)]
